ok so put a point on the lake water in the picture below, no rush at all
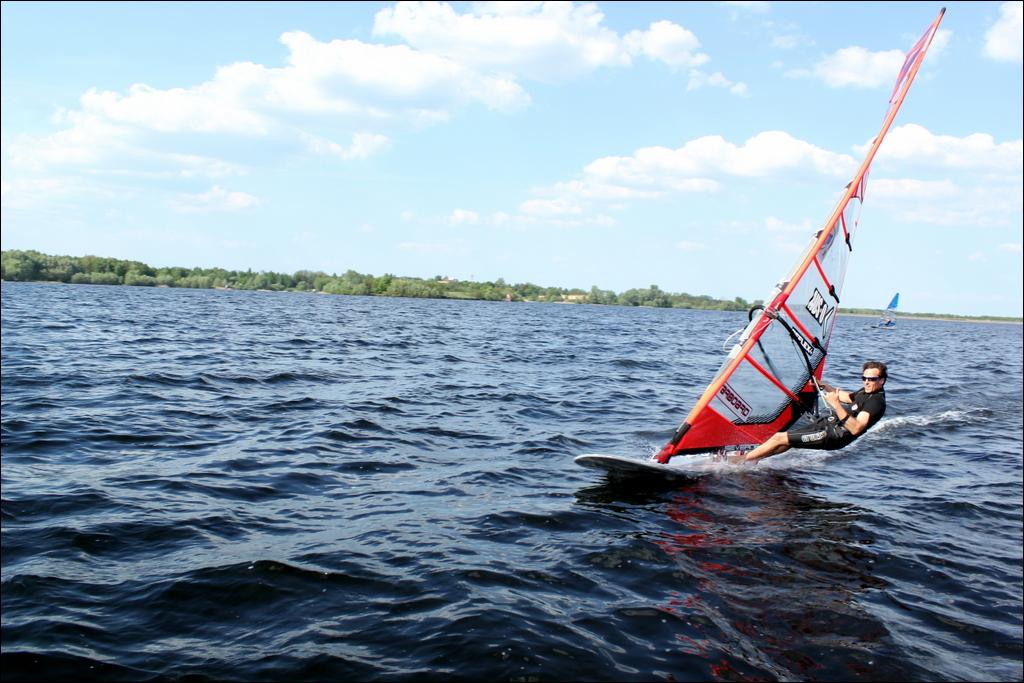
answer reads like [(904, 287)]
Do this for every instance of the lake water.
[(250, 485)]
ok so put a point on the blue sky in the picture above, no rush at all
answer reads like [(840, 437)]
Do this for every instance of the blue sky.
[(695, 146)]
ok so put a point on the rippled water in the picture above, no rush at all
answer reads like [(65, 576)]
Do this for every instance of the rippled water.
[(249, 485)]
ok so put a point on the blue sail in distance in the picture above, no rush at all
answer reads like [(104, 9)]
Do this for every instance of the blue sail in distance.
[(889, 317)]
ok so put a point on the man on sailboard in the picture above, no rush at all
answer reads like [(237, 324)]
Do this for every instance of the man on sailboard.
[(853, 413), (760, 388)]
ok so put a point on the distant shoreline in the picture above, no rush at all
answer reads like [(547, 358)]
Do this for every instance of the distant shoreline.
[(33, 266), (842, 313), (937, 316)]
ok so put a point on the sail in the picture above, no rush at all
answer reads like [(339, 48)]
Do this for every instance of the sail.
[(889, 315), (768, 378)]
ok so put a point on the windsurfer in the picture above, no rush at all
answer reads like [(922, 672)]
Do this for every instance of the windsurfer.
[(853, 413)]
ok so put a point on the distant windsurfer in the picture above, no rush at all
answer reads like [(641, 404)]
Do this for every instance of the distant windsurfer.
[(853, 414)]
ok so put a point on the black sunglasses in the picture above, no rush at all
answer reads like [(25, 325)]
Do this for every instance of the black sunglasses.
[(872, 379)]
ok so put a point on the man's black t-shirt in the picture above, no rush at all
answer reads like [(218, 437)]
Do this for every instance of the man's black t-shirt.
[(873, 404)]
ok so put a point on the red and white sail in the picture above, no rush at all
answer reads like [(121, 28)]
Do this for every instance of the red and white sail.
[(766, 382)]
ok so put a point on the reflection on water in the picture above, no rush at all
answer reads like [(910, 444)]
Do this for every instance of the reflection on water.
[(768, 578)]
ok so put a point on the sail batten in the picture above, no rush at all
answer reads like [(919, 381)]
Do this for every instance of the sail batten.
[(786, 343), (824, 277), (771, 378)]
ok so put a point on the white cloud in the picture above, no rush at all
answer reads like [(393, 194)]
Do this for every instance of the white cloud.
[(667, 42), (350, 89), (945, 203), (1003, 40), (773, 224), (656, 172), (703, 164), (464, 217), (1012, 247), (987, 206), (204, 108), (546, 41), (89, 140), (111, 149), (756, 6), (469, 217), (363, 145), (859, 67), (344, 83), (593, 188), (216, 199), (909, 189), (699, 79), (989, 195), (786, 41), (912, 142), (760, 155), (23, 193), (584, 221), (327, 92), (688, 246), (189, 166), (551, 207), (333, 76), (541, 41)]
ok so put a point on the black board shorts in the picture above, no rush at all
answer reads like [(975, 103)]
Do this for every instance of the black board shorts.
[(824, 434)]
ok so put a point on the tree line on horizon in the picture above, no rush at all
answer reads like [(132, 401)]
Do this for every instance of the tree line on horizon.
[(34, 266)]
